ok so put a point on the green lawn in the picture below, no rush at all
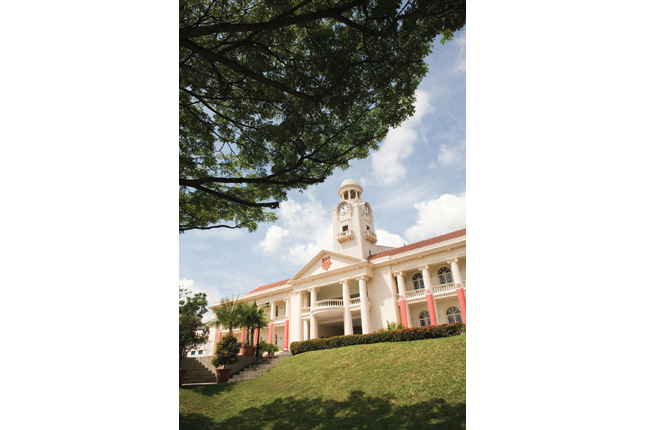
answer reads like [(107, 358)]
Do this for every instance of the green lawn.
[(400, 385)]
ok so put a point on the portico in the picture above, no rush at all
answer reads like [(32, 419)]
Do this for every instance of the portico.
[(361, 286)]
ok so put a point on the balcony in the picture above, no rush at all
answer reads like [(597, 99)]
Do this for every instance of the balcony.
[(369, 236), (279, 319), (345, 235), (321, 304), (415, 293), (306, 311)]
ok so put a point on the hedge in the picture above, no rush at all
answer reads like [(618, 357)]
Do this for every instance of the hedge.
[(403, 335)]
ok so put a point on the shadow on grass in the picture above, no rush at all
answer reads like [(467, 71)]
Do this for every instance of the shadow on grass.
[(357, 412)]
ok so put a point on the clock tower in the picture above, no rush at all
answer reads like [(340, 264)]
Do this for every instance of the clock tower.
[(353, 222)]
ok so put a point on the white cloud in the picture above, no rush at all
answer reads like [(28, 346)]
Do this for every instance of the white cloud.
[(437, 217), (273, 239), (306, 229), (389, 239), (212, 294), (387, 166), (460, 64), (449, 155)]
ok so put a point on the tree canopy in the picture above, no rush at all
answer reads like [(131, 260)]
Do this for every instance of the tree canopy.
[(192, 332), (274, 95)]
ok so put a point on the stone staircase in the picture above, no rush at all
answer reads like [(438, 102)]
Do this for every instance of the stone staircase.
[(199, 369), (261, 367)]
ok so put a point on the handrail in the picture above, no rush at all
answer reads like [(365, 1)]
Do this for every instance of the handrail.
[(328, 304), (415, 293)]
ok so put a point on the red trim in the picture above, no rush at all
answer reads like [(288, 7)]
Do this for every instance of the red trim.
[(286, 334), (431, 310), (404, 313), (421, 244), (462, 303)]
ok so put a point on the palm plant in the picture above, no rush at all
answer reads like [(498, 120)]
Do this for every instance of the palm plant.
[(229, 314), (260, 321)]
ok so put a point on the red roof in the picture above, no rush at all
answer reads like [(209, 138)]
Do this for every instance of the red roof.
[(394, 251), (266, 287), (421, 244)]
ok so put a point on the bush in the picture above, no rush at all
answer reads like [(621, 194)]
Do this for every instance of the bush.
[(267, 347), (401, 335), (227, 350)]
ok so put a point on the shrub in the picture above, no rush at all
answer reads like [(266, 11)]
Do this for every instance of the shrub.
[(227, 350), (400, 335)]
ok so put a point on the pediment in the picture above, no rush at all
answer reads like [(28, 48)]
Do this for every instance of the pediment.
[(325, 261)]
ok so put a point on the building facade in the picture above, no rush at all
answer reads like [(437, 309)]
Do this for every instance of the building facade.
[(360, 286)]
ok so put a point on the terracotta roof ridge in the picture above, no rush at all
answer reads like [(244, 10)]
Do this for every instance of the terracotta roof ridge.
[(419, 244)]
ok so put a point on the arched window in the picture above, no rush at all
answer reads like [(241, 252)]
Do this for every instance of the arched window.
[(417, 280), (445, 275), (454, 315), (353, 194), (424, 318)]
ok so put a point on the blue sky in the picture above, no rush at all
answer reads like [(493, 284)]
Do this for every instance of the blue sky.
[(415, 183)]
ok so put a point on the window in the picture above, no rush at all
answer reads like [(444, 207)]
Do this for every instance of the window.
[(368, 228), (424, 318), (276, 310), (445, 276), (454, 315), (192, 352), (345, 228), (345, 195), (353, 194), (200, 352), (417, 280)]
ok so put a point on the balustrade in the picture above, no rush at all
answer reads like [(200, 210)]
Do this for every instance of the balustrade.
[(415, 293), (278, 319), (345, 235), (356, 301), (328, 304), (306, 310)]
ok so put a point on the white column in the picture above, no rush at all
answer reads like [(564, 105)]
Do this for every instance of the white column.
[(347, 315), (305, 324), (365, 311), (402, 290), (395, 297), (296, 331), (272, 314), (314, 327), (456, 273), (314, 298)]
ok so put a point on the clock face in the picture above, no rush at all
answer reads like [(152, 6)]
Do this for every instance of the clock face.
[(366, 210), (342, 209)]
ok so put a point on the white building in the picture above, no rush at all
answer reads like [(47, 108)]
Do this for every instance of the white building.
[(360, 285)]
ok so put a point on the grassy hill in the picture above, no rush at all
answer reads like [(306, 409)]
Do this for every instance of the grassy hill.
[(400, 385)]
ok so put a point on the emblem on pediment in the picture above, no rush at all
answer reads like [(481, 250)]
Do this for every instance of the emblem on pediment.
[(326, 262)]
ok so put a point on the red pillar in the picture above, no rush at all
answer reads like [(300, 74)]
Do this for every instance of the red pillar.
[(431, 310), (219, 336), (271, 333), (404, 312), (243, 336), (257, 335), (286, 334), (462, 301)]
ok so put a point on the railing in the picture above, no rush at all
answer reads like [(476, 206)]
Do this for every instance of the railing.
[(356, 301), (345, 235), (370, 236), (415, 293), (278, 319), (443, 288), (328, 304), (306, 310)]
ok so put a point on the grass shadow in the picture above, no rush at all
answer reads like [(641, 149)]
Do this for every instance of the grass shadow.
[(357, 412)]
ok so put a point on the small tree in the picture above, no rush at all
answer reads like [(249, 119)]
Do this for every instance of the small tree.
[(229, 314), (192, 331), (227, 350)]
